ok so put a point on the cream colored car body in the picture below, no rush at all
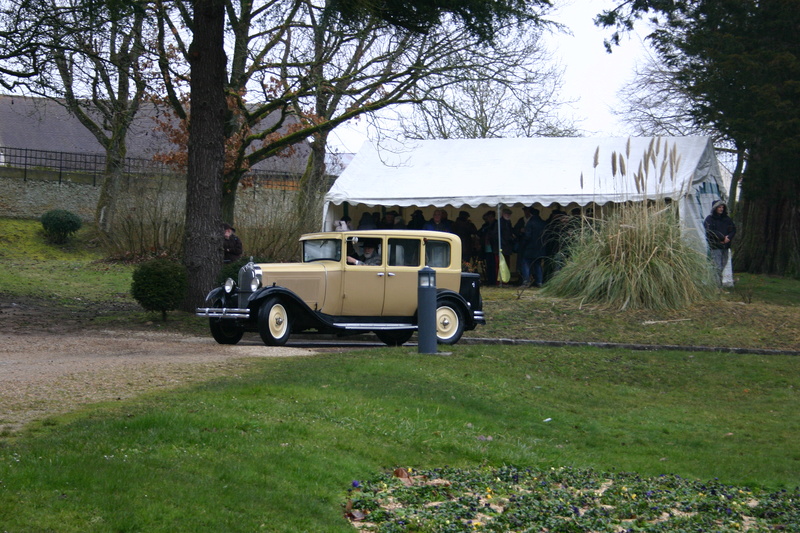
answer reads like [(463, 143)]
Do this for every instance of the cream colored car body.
[(331, 291), (389, 289)]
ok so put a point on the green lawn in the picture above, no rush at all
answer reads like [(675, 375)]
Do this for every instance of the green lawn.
[(276, 448), (66, 274)]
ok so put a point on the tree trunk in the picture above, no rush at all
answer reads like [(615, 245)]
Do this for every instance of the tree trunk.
[(768, 219), (203, 234), (736, 177), (105, 212), (312, 184), (230, 186)]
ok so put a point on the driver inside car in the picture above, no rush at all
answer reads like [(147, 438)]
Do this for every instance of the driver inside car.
[(370, 257)]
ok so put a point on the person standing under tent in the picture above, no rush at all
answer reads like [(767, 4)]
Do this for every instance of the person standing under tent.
[(519, 233), (533, 250), (467, 232), (439, 222), (367, 222), (507, 236), (417, 220), (490, 246)]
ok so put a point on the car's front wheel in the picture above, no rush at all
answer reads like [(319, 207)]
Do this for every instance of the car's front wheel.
[(449, 323), (225, 331), (274, 322), (394, 337)]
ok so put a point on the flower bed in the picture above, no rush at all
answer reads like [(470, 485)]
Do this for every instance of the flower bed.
[(563, 499)]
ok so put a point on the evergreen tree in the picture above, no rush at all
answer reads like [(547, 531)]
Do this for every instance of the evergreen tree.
[(739, 60)]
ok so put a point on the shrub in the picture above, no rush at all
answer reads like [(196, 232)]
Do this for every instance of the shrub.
[(637, 257), (60, 224), (269, 229), (159, 285)]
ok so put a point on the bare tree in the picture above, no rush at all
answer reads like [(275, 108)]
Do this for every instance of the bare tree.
[(285, 77), (511, 89), (654, 104), (90, 59), (19, 39), (297, 72)]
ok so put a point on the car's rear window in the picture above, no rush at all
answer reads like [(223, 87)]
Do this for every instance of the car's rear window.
[(404, 252), (437, 254)]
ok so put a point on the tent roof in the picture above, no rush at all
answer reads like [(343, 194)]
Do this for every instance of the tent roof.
[(524, 170)]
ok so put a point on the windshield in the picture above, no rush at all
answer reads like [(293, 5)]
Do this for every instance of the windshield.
[(322, 250)]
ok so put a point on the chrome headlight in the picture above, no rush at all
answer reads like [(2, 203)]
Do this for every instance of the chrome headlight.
[(229, 285), (254, 284)]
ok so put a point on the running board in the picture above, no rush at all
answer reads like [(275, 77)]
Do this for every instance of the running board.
[(379, 325)]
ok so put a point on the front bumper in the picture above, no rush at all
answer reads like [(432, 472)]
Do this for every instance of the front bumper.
[(222, 312)]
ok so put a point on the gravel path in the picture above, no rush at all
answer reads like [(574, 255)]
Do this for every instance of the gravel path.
[(50, 366)]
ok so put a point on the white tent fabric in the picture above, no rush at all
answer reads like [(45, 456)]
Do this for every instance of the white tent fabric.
[(478, 172), (525, 171)]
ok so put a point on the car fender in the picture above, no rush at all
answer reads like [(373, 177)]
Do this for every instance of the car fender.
[(447, 294), (214, 294), (289, 297)]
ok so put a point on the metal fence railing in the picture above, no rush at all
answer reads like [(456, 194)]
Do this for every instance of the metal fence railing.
[(93, 165), (88, 164)]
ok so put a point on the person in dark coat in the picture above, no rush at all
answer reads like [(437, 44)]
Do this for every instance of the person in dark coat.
[(231, 246), (519, 233), (439, 222), (720, 231), (490, 246), (533, 250), (467, 232), (417, 220), (367, 222)]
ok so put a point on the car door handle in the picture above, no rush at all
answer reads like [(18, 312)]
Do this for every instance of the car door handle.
[(391, 273), (381, 274)]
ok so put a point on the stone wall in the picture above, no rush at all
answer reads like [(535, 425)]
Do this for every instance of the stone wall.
[(32, 194)]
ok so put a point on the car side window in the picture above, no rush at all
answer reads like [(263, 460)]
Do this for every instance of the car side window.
[(437, 254), (364, 251), (404, 252), (322, 250)]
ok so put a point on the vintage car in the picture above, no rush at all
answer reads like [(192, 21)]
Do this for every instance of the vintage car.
[(335, 289)]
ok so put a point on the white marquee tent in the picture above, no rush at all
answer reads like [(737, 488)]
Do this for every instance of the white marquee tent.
[(571, 172)]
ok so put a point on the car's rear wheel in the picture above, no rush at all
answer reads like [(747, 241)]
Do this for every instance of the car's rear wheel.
[(274, 322), (449, 323), (224, 330), (394, 337)]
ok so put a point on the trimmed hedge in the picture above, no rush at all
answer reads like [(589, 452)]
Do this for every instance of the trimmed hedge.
[(160, 285), (60, 224)]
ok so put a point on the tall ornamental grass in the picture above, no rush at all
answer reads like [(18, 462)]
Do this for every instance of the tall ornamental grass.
[(637, 256)]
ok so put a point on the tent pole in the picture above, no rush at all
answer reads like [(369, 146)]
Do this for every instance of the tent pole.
[(325, 216), (499, 245)]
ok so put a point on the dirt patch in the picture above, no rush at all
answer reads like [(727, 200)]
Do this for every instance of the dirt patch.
[(53, 360)]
